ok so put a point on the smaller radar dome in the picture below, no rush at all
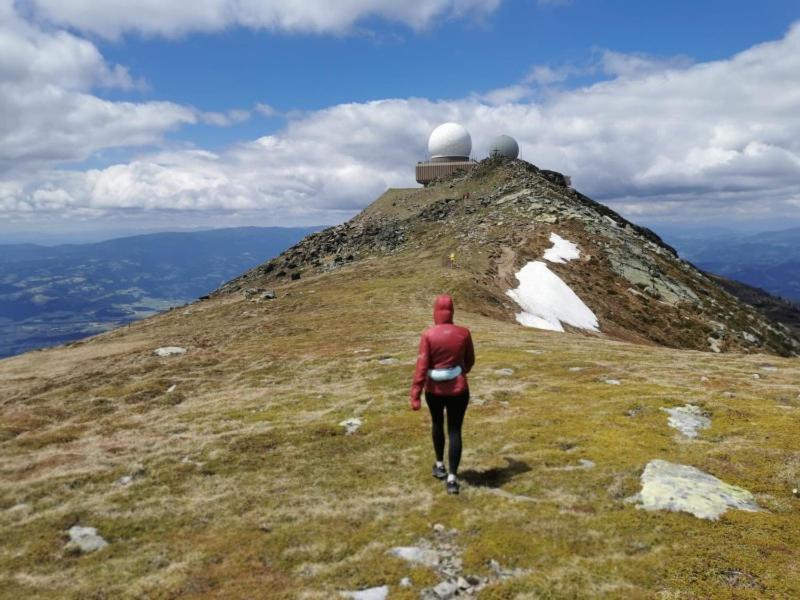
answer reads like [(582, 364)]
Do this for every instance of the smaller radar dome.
[(450, 141), (505, 146)]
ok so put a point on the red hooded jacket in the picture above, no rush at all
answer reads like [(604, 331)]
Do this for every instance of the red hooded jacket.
[(441, 347)]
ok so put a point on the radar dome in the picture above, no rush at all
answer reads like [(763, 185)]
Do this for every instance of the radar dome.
[(505, 146), (450, 141)]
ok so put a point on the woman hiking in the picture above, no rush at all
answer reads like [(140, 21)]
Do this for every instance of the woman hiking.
[(445, 357)]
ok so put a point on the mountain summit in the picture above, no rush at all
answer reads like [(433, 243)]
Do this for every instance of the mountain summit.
[(488, 224)]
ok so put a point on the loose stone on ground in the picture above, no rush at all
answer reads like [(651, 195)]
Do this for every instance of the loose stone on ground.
[(682, 488), (165, 351), (688, 419), (85, 539), (375, 593), (351, 425)]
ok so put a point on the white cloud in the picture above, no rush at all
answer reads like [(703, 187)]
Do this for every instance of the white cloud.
[(659, 138), (112, 18), (47, 110)]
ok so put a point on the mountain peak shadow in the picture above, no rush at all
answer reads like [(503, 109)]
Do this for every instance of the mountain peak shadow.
[(496, 476)]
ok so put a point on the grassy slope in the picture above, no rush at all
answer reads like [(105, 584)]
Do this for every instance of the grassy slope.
[(247, 486)]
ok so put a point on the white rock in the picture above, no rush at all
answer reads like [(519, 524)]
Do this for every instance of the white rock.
[(86, 539), (169, 351), (688, 419), (756, 376), (613, 382), (405, 582), (438, 528), (388, 361), (414, 554), (504, 372), (375, 593), (446, 590), (704, 379), (670, 486), (351, 425), (575, 369), (124, 480)]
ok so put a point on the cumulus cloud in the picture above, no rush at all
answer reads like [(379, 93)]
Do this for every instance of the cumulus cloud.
[(111, 18), (657, 138), (47, 109)]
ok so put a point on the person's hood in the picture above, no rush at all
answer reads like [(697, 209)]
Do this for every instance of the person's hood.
[(443, 309)]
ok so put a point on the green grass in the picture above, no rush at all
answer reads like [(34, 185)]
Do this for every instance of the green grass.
[(248, 486)]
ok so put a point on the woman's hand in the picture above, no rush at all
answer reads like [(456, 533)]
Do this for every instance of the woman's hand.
[(415, 403)]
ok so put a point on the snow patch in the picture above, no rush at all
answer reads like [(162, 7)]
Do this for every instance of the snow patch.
[(562, 251), (681, 488), (547, 302)]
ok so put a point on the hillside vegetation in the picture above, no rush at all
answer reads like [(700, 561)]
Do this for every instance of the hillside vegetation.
[(240, 482)]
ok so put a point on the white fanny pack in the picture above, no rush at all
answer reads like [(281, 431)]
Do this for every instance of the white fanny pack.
[(444, 374)]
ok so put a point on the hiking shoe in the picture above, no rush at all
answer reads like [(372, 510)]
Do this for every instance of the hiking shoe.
[(439, 472), (452, 487)]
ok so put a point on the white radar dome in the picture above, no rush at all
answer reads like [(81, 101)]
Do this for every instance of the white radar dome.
[(450, 141), (505, 146)]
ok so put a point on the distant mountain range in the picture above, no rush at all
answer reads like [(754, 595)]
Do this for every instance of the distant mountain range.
[(50, 295), (769, 260)]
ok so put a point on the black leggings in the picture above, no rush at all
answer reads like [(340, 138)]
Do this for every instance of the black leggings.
[(456, 407)]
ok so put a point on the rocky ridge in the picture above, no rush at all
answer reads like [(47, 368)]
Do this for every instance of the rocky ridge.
[(497, 217)]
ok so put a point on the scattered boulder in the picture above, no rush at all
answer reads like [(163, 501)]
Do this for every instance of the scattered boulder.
[(165, 351), (171, 388), (446, 589), (374, 593), (252, 292), (388, 360), (85, 539), (682, 488), (613, 382), (688, 419), (351, 425), (504, 372), (417, 555), (405, 582), (268, 295)]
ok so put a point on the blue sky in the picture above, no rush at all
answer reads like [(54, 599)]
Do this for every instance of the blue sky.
[(240, 67), (149, 115)]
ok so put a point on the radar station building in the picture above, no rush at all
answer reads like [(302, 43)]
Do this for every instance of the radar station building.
[(449, 147)]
